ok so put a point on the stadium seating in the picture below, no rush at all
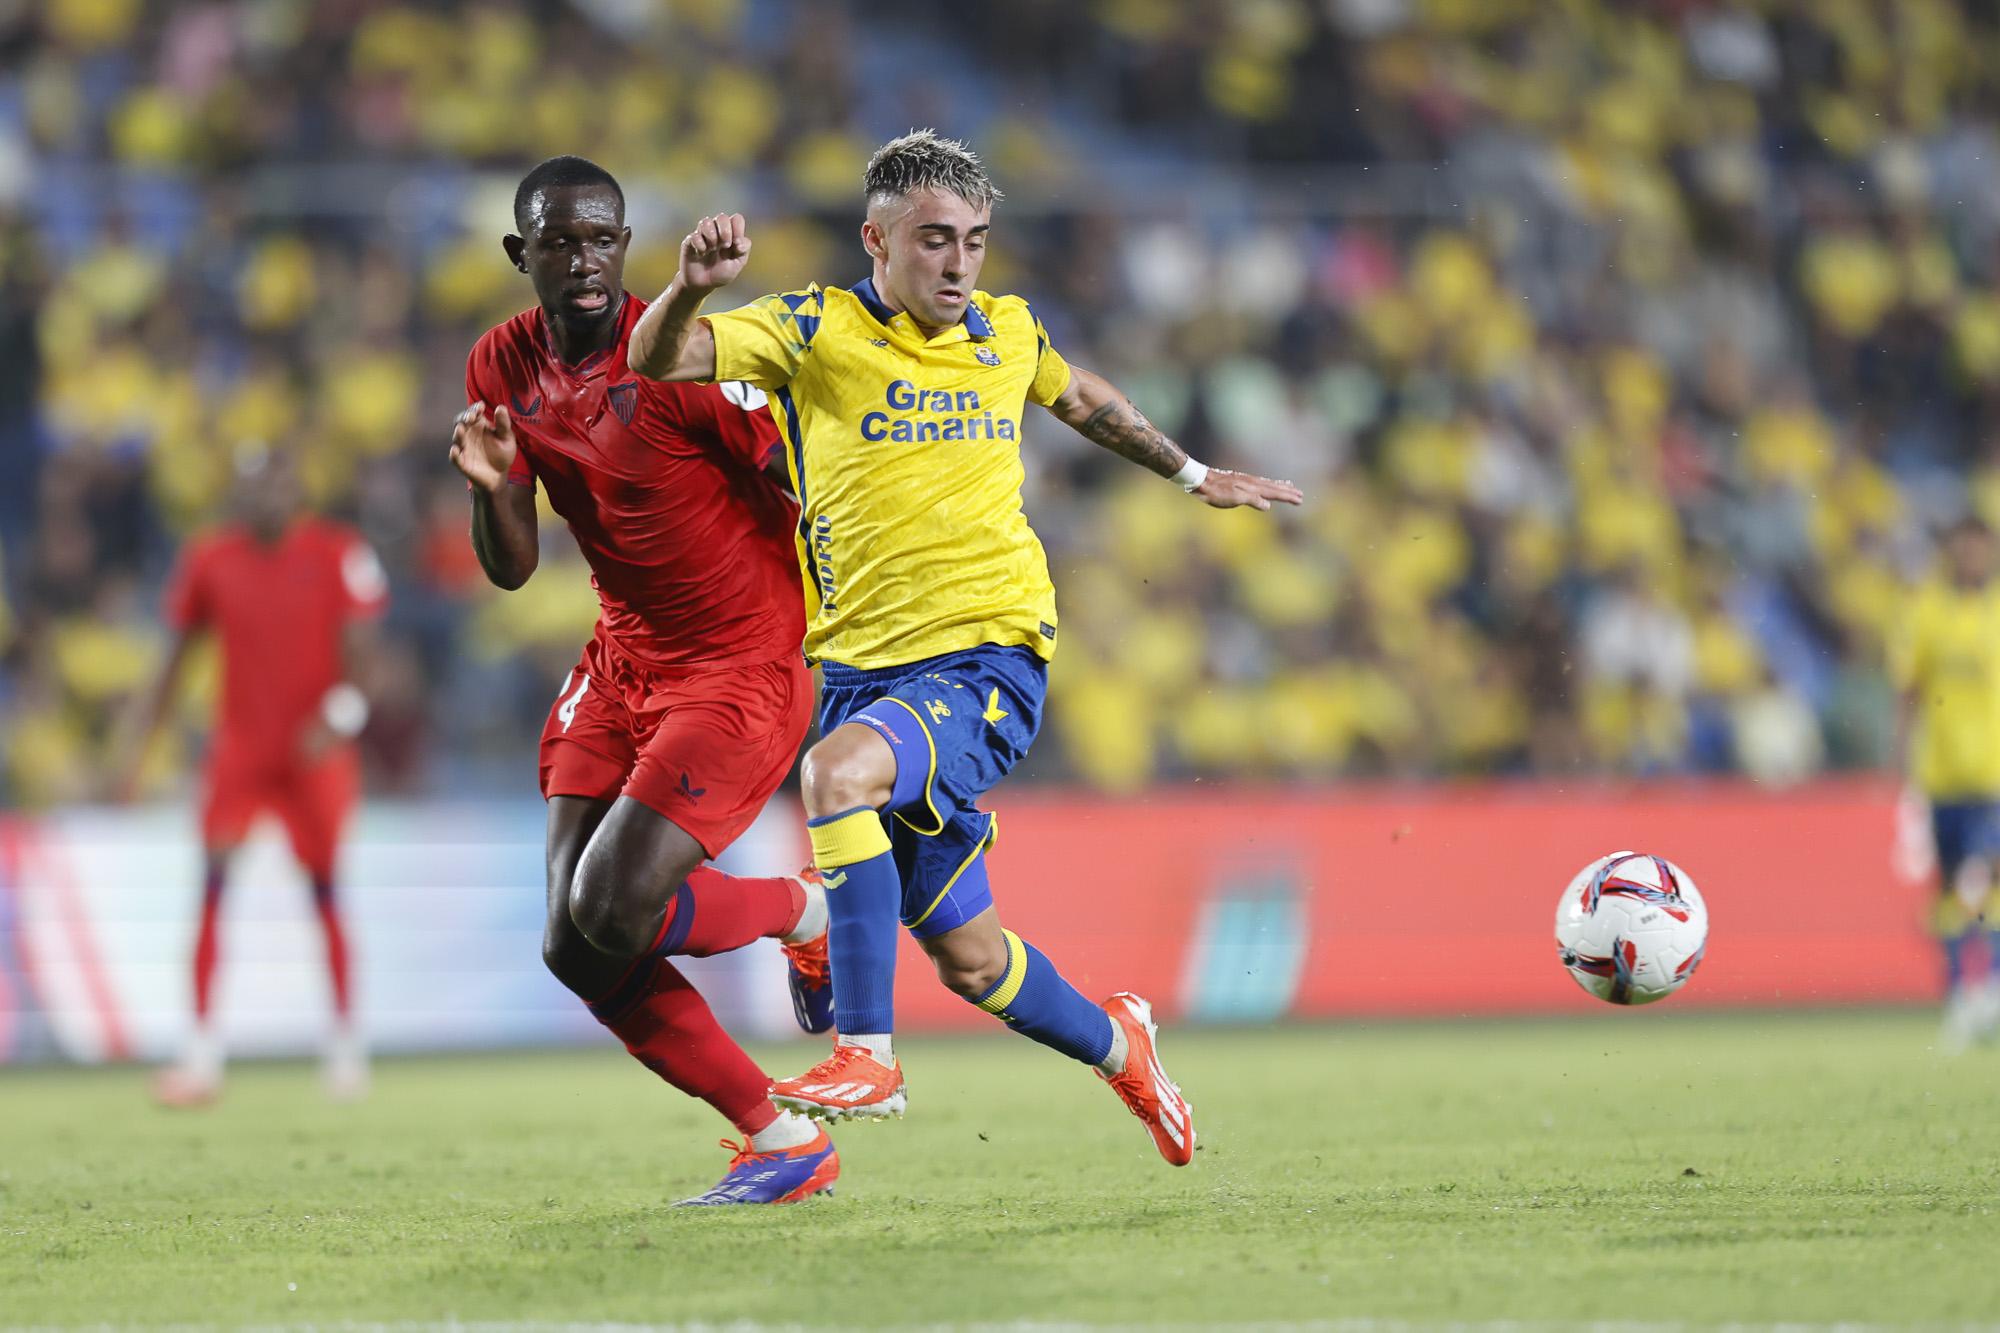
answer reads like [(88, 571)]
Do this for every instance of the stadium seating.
[(1629, 360)]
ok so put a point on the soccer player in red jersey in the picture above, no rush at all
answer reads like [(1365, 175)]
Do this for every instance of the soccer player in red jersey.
[(289, 596), (691, 699)]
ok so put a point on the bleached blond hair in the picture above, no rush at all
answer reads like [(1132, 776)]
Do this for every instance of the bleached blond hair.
[(924, 160)]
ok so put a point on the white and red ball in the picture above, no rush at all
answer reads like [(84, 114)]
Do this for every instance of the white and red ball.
[(1631, 928)]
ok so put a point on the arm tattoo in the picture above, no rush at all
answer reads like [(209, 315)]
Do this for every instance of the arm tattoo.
[(1124, 430)]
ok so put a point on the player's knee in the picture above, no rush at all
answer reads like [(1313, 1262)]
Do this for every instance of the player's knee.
[(838, 775), (971, 972), (607, 917), (553, 955)]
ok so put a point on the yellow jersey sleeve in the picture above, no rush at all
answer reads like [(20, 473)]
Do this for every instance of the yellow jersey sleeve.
[(764, 343), (1051, 371)]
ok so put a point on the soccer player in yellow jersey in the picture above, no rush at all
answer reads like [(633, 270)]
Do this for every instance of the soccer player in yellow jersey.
[(1947, 663), (933, 619)]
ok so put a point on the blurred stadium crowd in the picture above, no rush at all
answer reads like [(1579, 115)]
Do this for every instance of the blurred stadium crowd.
[(1630, 353)]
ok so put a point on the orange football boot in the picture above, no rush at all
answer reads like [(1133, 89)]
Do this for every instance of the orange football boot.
[(849, 1084), (1144, 1087), (808, 975), (175, 1086)]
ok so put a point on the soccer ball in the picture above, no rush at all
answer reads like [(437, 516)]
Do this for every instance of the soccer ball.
[(1631, 928)]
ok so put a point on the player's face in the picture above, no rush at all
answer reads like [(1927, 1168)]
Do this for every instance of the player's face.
[(1970, 552), (269, 498), (573, 250), (930, 245)]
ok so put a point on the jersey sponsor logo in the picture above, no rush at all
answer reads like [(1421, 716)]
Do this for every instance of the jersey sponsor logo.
[(986, 356), (527, 411), (625, 400), (885, 726), (922, 425), (566, 709), (822, 551)]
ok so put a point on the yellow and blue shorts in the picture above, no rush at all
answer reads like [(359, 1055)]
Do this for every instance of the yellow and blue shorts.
[(958, 724)]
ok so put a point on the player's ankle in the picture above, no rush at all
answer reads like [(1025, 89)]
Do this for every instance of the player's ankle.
[(880, 1045), (204, 1054), (1113, 1063), (813, 916), (789, 1130)]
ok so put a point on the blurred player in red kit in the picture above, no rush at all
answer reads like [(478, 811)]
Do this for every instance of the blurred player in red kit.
[(290, 598), (688, 705)]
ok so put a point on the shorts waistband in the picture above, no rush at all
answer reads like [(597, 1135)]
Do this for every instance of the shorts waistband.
[(839, 673)]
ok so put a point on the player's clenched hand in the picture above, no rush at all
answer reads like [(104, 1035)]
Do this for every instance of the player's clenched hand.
[(714, 252), (1226, 490), (483, 447)]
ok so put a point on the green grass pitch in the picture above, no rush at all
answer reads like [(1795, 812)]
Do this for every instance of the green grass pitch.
[(1841, 1170)]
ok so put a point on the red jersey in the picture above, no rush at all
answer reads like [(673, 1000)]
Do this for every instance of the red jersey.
[(690, 544), (279, 612)]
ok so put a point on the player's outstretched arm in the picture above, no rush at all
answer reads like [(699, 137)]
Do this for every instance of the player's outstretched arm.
[(503, 514), (1094, 408), (135, 729), (671, 341)]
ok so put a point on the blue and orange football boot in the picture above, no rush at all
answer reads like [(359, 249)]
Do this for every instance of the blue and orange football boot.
[(785, 1175), (809, 976)]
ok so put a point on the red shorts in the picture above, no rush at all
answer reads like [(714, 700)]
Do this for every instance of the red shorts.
[(311, 800), (705, 749)]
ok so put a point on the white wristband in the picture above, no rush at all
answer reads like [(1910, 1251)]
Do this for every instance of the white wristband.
[(344, 708), (1191, 476)]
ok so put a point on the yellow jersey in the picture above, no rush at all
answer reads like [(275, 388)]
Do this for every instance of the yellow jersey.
[(1947, 652), (905, 453)]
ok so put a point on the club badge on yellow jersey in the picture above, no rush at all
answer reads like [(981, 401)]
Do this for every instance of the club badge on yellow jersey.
[(906, 455)]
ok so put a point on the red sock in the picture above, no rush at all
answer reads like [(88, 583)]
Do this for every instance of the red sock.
[(207, 945), (336, 941), (713, 913), (672, 1032)]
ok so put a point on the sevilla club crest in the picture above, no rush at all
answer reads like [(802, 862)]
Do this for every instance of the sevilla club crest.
[(625, 400)]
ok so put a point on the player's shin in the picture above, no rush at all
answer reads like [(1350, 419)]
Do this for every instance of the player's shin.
[(669, 1028), (1033, 998), (863, 899), (207, 946), (334, 935), (714, 913), (196, 1078)]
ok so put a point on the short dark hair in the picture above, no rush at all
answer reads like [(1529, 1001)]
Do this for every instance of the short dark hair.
[(561, 173), (924, 160), (1968, 524)]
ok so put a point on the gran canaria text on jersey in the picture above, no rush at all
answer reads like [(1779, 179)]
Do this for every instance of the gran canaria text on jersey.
[(903, 396)]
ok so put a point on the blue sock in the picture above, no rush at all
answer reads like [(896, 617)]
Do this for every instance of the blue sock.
[(1954, 958), (864, 899), (1034, 1000)]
